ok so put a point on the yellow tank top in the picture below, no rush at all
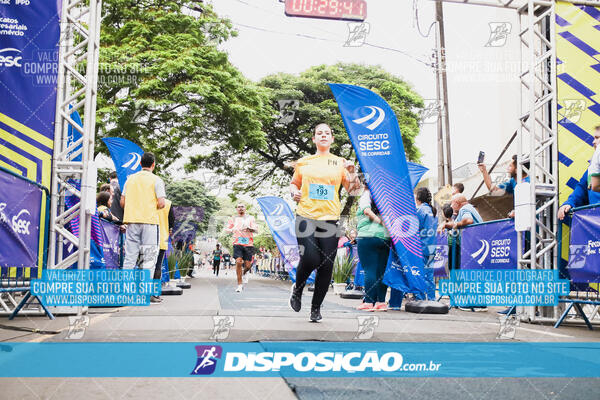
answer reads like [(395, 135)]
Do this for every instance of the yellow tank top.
[(319, 178), (163, 223), (140, 199)]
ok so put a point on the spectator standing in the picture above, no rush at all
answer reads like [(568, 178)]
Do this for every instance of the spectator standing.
[(594, 168), (142, 197), (166, 219), (106, 187), (448, 214), (458, 188), (583, 194), (427, 230), (373, 243), (103, 202), (466, 215), (116, 209)]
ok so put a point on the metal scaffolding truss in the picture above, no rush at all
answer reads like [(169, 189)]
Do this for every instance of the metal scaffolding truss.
[(76, 91), (538, 143), (538, 137)]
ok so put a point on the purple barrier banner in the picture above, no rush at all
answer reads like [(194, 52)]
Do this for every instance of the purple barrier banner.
[(110, 244), (584, 248), (489, 246), (20, 217), (187, 222), (440, 261)]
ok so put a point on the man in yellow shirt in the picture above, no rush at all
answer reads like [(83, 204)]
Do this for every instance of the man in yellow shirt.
[(142, 197)]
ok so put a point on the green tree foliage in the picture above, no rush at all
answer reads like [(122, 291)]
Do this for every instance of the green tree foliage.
[(164, 84), (189, 192), (287, 142)]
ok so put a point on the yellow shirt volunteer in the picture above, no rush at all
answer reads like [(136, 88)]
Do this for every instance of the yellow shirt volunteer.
[(163, 219), (141, 192), (319, 178)]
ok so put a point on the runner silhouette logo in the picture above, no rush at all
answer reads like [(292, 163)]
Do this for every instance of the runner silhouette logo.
[(207, 359), (375, 117), (482, 253)]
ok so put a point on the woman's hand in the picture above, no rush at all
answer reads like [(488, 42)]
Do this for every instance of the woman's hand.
[(350, 167), (296, 195)]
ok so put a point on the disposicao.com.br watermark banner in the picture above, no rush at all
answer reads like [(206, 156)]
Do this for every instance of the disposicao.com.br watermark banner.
[(300, 359), (100, 287), (500, 287)]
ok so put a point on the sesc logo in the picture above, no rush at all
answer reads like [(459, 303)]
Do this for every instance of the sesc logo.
[(10, 57), (207, 359), (134, 161), (377, 115), (19, 225), (482, 253), (3, 217)]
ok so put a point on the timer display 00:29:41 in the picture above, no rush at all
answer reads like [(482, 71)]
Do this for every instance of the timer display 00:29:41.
[(355, 10)]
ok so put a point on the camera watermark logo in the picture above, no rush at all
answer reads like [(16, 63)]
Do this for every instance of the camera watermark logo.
[(499, 32), (287, 110), (216, 184), (357, 33), (77, 327), (573, 109), (508, 327), (431, 111), (222, 326), (366, 326)]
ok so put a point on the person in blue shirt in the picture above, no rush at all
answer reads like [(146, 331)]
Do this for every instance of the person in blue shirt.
[(426, 215), (466, 215), (582, 193), (427, 231), (507, 187)]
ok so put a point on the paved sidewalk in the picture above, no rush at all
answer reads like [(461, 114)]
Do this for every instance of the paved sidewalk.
[(261, 313)]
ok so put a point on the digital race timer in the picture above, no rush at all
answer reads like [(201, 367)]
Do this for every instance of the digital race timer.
[(355, 10)]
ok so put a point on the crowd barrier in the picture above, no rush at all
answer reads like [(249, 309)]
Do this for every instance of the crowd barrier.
[(24, 218), (493, 245), (583, 267), (272, 267)]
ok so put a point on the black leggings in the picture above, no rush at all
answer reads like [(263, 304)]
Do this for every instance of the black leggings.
[(216, 264), (318, 246), (159, 263)]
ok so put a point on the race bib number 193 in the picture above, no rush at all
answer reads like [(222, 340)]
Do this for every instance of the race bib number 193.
[(320, 192)]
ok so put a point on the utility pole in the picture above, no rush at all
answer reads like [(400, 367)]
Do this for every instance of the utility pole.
[(444, 163), (440, 131)]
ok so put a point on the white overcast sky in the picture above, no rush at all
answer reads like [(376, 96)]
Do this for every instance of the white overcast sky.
[(482, 81)]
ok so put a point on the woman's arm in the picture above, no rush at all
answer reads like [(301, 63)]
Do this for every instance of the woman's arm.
[(372, 216)]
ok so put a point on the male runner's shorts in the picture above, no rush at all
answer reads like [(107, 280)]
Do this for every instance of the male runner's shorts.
[(243, 252)]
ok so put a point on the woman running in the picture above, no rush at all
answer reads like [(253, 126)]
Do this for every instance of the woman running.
[(316, 186)]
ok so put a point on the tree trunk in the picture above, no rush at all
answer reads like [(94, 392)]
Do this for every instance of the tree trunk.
[(349, 203)]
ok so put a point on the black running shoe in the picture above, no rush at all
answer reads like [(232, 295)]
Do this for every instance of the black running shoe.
[(315, 314), (295, 299)]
